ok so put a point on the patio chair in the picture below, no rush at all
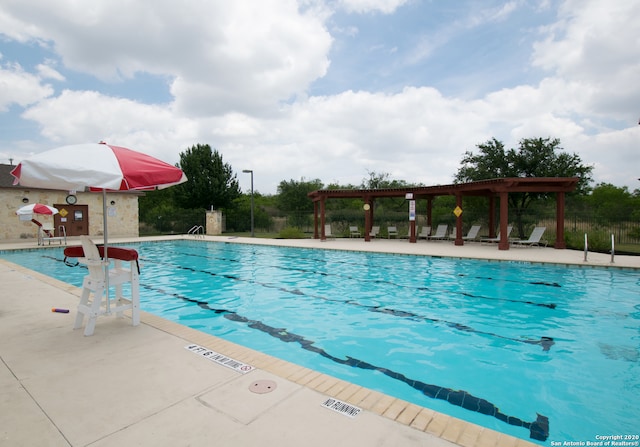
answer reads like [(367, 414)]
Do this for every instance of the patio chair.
[(392, 232), (534, 239), (453, 234), (95, 283), (472, 234), (424, 232), (497, 238), (375, 231), (354, 232), (327, 232), (441, 232)]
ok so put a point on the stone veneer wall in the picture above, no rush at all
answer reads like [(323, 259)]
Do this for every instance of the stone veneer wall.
[(122, 217), (213, 223)]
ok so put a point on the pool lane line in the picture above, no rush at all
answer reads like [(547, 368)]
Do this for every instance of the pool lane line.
[(545, 342), (538, 429), (325, 261), (364, 279)]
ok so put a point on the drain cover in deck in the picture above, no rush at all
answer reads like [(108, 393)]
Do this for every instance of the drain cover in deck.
[(262, 386)]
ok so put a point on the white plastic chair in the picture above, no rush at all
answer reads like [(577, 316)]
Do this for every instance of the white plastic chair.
[(424, 232), (441, 232), (534, 239)]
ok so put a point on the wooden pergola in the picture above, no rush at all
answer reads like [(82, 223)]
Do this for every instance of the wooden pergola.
[(491, 189)]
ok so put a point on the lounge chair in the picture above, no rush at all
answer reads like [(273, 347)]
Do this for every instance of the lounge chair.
[(375, 231), (453, 234), (534, 239), (472, 234), (424, 232), (497, 238), (354, 232), (392, 232), (327, 232), (441, 232), (95, 283)]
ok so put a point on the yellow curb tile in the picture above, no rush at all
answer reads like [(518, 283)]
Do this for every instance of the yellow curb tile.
[(438, 424), (506, 440), (453, 430), (395, 409), (422, 419), (359, 396), (408, 414), (382, 404), (487, 438), (337, 388), (469, 435), (349, 391)]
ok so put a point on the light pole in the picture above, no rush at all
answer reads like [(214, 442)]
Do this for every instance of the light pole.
[(249, 171)]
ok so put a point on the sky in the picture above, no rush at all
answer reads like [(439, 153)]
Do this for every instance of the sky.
[(333, 90)]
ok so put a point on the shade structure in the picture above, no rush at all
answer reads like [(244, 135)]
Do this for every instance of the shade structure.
[(97, 167), (36, 208)]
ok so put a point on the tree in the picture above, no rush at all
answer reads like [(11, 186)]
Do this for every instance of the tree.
[(535, 157), (611, 204), (212, 182), (293, 199)]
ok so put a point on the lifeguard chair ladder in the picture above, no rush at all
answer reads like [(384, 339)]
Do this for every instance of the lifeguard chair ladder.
[(95, 300)]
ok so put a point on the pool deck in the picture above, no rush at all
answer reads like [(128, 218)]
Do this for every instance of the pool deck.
[(130, 385)]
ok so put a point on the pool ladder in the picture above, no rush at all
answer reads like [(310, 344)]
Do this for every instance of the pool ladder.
[(613, 248), (197, 231)]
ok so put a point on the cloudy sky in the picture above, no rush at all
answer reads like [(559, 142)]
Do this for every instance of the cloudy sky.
[(324, 89)]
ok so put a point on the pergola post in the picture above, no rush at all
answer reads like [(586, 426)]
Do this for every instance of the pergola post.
[(560, 243), (503, 244), (316, 235), (368, 218), (459, 240), (322, 220), (492, 216)]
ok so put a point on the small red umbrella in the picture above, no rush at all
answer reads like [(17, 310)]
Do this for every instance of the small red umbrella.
[(36, 208)]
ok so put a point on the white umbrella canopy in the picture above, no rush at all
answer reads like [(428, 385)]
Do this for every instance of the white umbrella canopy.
[(96, 166), (36, 208)]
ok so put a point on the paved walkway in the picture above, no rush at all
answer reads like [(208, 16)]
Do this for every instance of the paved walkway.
[(139, 385)]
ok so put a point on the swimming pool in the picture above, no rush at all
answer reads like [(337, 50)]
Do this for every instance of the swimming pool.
[(503, 345)]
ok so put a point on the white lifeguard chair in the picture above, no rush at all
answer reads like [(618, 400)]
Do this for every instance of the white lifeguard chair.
[(95, 300)]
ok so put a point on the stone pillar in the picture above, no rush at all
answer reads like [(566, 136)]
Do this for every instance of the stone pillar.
[(214, 223)]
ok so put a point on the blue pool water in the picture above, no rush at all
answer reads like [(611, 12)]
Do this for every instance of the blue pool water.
[(542, 352)]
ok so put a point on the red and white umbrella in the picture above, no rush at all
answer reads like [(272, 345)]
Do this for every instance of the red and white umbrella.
[(97, 166), (36, 208)]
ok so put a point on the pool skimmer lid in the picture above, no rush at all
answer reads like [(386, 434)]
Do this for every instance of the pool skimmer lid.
[(262, 386)]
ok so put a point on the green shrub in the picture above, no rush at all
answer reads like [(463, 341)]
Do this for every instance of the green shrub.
[(597, 240), (291, 233)]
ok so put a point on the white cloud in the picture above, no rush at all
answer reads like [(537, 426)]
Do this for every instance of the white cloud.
[(365, 6), (19, 87), (47, 72), (240, 55), (596, 43)]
